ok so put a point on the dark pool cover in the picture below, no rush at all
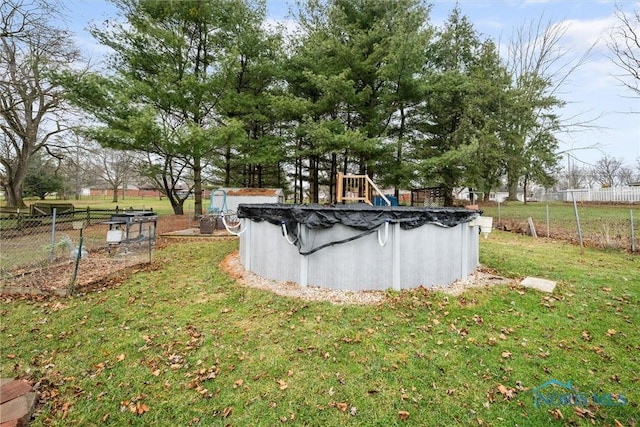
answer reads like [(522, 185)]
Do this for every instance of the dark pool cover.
[(359, 216)]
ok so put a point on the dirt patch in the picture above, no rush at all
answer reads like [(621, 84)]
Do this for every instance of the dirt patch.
[(231, 265), (101, 266)]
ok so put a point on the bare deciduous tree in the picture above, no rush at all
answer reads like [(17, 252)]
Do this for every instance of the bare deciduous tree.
[(606, 171), (114, 167), (31, 104), (541, 68), (626, 175), (624, 44)]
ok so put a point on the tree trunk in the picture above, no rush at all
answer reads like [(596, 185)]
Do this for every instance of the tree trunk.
[(313, 179), (448, 195), (332, 178), (13, 193), (115, 194), (486, 196), (227, 166), (197, 186), (178, 209), (512, 185)]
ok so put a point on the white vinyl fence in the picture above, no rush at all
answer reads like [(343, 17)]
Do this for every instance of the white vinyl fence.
[(613, 194)]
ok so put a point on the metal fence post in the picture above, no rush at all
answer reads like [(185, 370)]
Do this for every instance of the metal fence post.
[(499, 215), (53, 235), (575, 209), (633, 232), (547, 220)]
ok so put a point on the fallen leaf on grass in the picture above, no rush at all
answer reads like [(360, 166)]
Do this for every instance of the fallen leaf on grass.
[(506, 354), (121, 357), (283, 384), (141, 408), (238, 383), (583, 412), (403, 415), (227, 411), (611, 332), (508, 393), (557, 414)]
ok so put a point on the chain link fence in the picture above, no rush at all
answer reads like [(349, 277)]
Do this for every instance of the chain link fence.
[(598, 225), (61, 253)]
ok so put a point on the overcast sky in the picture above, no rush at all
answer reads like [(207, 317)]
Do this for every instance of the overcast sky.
[(592, 92)]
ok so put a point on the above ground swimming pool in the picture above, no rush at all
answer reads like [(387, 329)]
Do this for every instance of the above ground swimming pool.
[(359, 247)]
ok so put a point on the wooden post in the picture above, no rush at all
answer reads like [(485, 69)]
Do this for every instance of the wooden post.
[(339, 187)]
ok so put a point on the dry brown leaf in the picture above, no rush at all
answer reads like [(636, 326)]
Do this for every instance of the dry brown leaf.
[(227, 411), (403, 415), (508, 393), (121, 357), (557, 414), (611, 332), (342, 406), (506, 354), (283, 384), (141, 408), (238, 383)]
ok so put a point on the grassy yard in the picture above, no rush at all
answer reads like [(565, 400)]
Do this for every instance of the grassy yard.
[(182, 344), (161, 207), (604, 225)]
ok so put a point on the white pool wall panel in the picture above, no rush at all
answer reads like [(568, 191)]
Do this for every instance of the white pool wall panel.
[(429, 255)]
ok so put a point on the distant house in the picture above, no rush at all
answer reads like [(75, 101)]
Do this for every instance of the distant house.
[(130, 191)]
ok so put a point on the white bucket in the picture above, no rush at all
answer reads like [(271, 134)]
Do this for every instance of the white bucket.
[(114, 236)]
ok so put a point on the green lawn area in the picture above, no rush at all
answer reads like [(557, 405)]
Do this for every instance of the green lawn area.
[(605, 225), (160, 206), (183, 344)]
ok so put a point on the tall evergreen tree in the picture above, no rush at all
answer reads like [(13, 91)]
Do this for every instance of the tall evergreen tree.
[(355, 72), (452, 113), (168, 76)]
